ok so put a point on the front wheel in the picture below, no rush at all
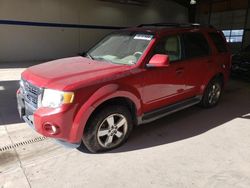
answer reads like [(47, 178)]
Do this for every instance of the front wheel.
[(107, 129), (212, 94)]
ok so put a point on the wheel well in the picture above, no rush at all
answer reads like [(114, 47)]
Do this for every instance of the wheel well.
[(220, 77), (122, 101)]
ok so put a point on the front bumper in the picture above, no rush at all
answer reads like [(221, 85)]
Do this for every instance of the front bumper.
[(62, 118)]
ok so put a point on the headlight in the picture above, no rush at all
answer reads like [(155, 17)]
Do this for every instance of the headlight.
[(54, 99)]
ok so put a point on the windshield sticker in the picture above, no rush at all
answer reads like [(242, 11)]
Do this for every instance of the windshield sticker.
[(143, 37)]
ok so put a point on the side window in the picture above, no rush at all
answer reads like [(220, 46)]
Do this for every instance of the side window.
[(218, 42), (170, 46), (195, 45)]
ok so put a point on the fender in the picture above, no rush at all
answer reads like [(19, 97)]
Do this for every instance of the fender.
[(210, 76), (101, 95), (213, 71)]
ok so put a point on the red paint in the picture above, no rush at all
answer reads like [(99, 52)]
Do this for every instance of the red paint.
[(159, 60), (95, 82)]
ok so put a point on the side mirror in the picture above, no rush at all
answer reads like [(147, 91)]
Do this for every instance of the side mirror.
[(159, 60)]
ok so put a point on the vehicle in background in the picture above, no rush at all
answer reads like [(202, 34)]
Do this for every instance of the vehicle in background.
[(241, 64)]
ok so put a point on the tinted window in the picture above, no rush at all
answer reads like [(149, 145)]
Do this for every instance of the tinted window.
[(170, 46), (195, 45), (219, 42)]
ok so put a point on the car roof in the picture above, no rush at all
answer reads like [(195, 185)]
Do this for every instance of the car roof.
[(162, 28)]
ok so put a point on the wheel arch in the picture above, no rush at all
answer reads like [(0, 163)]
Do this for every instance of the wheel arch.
[(119, 101), (219, 76), (106, 95)]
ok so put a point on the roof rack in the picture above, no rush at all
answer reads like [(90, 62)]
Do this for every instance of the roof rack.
[(174, 25)]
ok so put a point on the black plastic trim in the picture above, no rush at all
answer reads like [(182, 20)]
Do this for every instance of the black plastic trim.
[(159, 113)]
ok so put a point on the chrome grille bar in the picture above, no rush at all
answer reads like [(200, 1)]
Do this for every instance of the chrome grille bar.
[(31, 93)]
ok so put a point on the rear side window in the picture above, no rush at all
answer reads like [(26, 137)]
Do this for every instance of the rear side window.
[(195, 45), (219, 42)]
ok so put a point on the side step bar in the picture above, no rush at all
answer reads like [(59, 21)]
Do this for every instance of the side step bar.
[(159, 113)]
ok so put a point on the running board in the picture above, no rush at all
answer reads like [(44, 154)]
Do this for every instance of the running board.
[(159, 113)]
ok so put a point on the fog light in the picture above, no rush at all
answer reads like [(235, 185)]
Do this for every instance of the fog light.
[(50, 128)]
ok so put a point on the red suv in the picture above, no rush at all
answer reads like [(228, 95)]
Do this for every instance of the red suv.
[(131, 77)]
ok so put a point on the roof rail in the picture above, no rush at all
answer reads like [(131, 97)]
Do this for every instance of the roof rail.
[(174, 25)]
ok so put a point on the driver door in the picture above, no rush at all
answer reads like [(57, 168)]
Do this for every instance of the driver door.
[(166, 85)]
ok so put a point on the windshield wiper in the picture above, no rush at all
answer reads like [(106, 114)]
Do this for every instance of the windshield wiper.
[(103, 59), (89, 56), (85, 54)]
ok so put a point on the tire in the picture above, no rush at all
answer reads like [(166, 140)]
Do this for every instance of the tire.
[(107, 129), (212, 94)]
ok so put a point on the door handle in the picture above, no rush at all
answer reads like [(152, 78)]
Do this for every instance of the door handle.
[(179, 70)]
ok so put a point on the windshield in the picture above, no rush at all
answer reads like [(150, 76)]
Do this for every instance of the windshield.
[(122, 48)]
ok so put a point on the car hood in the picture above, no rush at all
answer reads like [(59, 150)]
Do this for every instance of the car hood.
[(71, 73)]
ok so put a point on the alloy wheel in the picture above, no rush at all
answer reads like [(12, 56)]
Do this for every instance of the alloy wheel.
[(214, 93), (112, 130)]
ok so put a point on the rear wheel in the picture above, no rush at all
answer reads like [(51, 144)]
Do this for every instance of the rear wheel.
[(107, 129), (212, 93)]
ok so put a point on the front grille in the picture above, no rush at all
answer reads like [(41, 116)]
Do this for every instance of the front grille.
[(31, 93), (32, 89)]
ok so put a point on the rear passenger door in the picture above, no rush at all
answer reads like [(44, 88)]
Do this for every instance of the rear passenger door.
[(222, 56), (196, 57)]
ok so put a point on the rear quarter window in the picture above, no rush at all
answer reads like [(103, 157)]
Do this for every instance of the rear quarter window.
[(195, 45), (219, 42)]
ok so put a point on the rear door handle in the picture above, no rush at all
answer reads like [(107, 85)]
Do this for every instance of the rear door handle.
[(179, 70)]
